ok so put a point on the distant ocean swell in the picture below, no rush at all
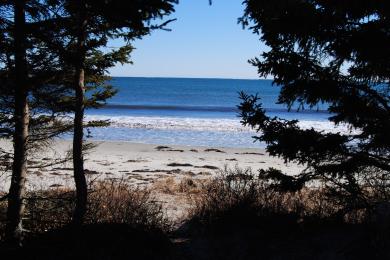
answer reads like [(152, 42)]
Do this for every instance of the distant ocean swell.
[(198, 108), (194, 112)]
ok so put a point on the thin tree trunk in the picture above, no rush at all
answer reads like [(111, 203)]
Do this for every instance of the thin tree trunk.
[(78, 158), (15, 211)]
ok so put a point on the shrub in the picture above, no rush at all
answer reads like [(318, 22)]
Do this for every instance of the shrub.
[(111, 202), (238, 197), (115, 202)]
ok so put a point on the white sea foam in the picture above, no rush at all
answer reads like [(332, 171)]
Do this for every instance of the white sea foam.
[(325, 126), (173, 123), (201, 124)]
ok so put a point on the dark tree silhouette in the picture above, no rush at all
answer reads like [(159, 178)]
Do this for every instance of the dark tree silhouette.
[(83, 29), (25, 67), (21, 117), (332, 52)]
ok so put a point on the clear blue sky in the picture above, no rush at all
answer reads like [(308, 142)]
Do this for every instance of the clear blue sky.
[(205, 41)]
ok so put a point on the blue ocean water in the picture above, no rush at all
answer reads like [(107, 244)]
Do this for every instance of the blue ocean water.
[(184, 111)]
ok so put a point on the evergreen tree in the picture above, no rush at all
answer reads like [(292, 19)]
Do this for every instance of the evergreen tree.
[(21, 122), (331, 52), (27, 96), (83, 29)]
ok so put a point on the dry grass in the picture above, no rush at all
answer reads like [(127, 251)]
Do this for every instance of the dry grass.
[(239, 194), (174, 186), (109, 202), (239, 216), (116, 202), (232, 216)]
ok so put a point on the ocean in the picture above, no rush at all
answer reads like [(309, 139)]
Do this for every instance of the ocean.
[(193, 112)]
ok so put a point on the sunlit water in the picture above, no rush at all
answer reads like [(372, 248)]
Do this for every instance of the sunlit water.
[(199, 112)]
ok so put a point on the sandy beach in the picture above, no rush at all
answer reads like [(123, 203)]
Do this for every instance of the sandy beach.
[(157, 167)]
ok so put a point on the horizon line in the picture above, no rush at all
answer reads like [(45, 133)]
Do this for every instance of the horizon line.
[(184, 77)]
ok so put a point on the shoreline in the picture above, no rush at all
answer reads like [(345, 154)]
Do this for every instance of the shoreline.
[(115, 159)]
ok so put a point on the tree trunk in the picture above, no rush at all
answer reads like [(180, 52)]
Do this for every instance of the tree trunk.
[(78, 158), (15, 210)]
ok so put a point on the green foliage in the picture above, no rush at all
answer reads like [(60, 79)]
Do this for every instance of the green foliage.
[(102, 21), (333, 52), (53, 54), (44, 73)]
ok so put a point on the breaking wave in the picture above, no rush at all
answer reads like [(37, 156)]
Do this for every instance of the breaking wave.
[(201, 124)]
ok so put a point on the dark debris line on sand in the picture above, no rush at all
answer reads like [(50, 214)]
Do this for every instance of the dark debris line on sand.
[(167, 149), (214, 150), (180, 165), (247, 153), (210, 167)]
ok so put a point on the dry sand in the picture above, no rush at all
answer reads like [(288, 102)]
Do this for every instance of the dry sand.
[(142, 165)]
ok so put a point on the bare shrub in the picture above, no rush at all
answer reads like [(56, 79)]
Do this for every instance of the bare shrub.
[(189, 185), (48, 209), (235, 190), (115, 202), (109, 202), (171, 185), (240, 195), (166, 185)]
